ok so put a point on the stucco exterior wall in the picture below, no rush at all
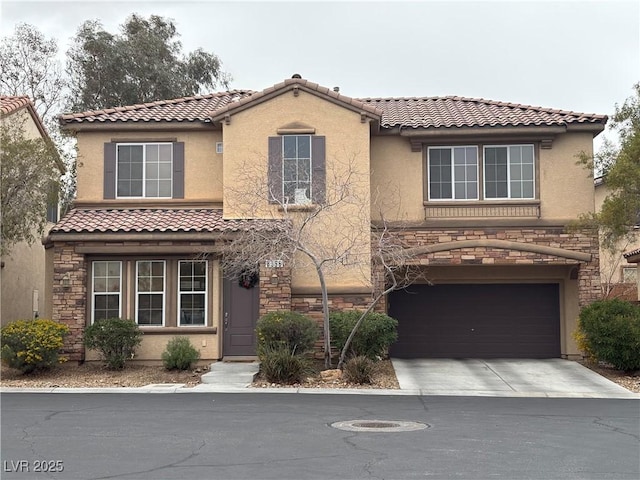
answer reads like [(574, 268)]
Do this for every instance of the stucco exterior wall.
[(566, 187), (398, 177), (203, 166), (23, 272), (347, 153)]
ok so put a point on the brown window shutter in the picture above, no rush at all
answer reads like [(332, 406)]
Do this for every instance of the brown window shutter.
[(178, 170), (319, 170), (109, 170), (274, 170)]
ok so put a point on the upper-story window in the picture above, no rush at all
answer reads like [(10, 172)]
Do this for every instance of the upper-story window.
[(508, 172), (453, 173), (296, 169), (144, 170)]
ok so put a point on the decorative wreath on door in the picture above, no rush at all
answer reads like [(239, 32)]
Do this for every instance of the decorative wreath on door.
[(248, 280)]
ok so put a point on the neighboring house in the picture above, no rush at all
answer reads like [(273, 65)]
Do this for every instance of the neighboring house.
[(486, 190), (24, 270), (617, 274), (633, 257)]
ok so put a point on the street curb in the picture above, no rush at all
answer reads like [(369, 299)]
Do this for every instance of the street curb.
[(209, 388)]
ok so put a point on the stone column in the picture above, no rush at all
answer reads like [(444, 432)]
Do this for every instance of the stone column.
[(70, 297), (275, 289)]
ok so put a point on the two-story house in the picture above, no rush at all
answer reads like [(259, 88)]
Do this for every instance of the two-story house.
[(480, 191), (25, 269)]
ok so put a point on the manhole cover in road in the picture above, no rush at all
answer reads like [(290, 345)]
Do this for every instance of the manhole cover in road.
[(379, 426)]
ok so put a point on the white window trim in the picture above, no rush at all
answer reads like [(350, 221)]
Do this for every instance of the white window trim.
[(484, 172), (144, 170), (206, 295), (453, 180), (164, 293), (284, 197), (93, 288)]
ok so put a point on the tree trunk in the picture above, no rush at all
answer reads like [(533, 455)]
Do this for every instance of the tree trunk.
[(325, 318)]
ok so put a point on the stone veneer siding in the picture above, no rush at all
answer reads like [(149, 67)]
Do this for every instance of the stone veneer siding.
[(584, 241), (70, 302)]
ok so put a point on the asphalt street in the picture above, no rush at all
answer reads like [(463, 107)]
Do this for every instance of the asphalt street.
[(288, 436)]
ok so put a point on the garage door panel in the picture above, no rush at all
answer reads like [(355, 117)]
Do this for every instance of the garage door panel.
[(477, 320)]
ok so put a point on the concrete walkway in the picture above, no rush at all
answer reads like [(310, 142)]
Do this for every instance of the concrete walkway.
[(505, 378), (498, 378)]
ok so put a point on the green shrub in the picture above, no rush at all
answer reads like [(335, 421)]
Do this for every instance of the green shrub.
[(289, 330), (29, 345), (280, 365), (612, 332), (373, 338), (359, 370), (179, 354), (115, 338)]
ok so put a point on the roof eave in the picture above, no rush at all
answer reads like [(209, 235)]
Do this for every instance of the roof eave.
[(349, 103), (85, 126)]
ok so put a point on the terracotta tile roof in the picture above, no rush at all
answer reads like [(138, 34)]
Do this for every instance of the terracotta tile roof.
[(154, 221), (9, 104), (424, 112), (632, 253), (185, 109), (289, 84), (435, 112)]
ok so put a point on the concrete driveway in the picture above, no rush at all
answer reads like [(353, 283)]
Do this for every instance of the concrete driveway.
[(505, 378)]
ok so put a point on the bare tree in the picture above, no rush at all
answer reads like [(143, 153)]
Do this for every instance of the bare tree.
[(330, 238), (326, 238)]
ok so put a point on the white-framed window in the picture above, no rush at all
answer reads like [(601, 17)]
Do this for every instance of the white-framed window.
[(509, 172), (453, 173), (629, 274), (219, 147), (144, 170), (150, 292), (296, 169), (106, 287), (192, 292)]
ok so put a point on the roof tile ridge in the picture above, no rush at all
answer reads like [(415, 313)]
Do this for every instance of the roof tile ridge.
[(524, 106)]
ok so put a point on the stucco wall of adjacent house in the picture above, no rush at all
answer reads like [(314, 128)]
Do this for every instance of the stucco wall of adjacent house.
[(398, 176), (203, 166), (347, 153), (23, 272), (612, 262)]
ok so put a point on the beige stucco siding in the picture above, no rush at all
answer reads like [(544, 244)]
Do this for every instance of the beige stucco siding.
[(203, 166), (396, 179), (24, 268), (566, 187), (347, 153)]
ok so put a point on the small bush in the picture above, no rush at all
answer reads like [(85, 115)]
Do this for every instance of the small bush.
[(115, 338), (359, 370), (179, 354), (281, 365), (373, 338), (29, 345), (290, 330), (612, 332)]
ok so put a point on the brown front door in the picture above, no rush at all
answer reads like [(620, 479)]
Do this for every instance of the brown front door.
[(241, 309)]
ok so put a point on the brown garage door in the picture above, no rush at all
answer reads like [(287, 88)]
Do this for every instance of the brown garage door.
[(477, 321)]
